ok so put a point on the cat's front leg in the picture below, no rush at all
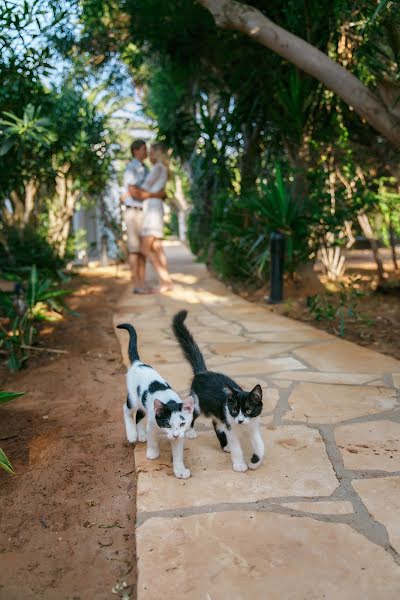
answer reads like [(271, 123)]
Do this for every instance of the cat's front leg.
[(130, 424), (238, 462), (153, 449), (141, 426), (191, 433), (257, 445), (180, 471)]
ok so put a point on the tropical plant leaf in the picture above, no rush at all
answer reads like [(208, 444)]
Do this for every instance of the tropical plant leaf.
[(7, 396), (5, 463)]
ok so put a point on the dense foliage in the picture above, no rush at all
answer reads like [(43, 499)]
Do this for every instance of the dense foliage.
[(266, 146), (54, 141)]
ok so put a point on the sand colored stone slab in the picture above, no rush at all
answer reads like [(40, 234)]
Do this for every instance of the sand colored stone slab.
[(322, 508), (371, 445), (205, 337), (296, 464), (216, 363), (318, 377), (281, 383), (382, 499), (260, 556), (262, 367), (252, 350), (299, 333), (378, 383), (343, 356), (213, 322), (327, 403)]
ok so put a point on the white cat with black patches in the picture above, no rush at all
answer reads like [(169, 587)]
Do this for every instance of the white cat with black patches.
[(234, 412), (150, 395)]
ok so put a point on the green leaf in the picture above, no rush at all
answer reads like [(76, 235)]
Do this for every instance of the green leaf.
[(6, 146), (33, 281), (5, 463), (7, 396)]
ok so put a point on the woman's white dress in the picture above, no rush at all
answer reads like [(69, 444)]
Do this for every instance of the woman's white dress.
[(153, 208)]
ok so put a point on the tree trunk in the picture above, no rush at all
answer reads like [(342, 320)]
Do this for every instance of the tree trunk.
[(18, 206), (62, 211), (250, 159), (367, 231), (229, 14), (31, 189)]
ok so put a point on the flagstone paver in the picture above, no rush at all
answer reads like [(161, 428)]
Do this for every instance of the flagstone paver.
[(296, 465), (263, 556), (319, 518), (382, 499), (328, 403), (374, 445), (321, 508)]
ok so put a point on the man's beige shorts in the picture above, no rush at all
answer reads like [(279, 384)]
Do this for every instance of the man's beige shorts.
[(133, 219)]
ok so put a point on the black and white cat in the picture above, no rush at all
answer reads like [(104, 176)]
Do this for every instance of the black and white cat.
[(149, 394), (234, 412)]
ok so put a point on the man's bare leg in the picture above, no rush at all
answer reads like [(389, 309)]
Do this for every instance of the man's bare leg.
[(133, 265), (141, 270), (137, 264)]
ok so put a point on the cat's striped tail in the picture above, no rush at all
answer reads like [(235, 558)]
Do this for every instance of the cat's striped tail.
[(187, 343), (132, 348)]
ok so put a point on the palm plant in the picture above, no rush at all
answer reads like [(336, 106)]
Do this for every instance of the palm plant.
[(37, 301), (29, 130), (278, 208)]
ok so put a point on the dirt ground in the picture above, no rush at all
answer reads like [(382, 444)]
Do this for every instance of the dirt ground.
[(375, 322), (67, 516)]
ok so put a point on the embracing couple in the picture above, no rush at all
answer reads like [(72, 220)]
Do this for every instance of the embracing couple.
[(144, 192)]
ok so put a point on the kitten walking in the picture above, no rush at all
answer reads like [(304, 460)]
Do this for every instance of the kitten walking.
[(233, 411), (149, 394)]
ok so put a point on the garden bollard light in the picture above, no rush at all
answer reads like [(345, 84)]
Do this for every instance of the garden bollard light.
[(277, 260)]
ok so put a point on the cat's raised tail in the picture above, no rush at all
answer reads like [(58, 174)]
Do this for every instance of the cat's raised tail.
[(132, 348), (187, 343)]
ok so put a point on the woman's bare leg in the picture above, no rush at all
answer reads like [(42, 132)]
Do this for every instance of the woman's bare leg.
[(158, 249), (147, 250)]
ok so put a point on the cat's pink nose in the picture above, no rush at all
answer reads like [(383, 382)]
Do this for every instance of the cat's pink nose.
[(176, 435)]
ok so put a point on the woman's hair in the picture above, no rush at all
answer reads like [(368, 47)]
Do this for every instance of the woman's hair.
[(161, 153)]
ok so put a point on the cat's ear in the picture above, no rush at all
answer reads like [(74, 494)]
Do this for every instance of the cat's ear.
[(256, 393), (229, 391), (188, 404), (158, 406)]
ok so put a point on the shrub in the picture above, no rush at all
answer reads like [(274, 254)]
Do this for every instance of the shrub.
[(36, 299), (21, 248)]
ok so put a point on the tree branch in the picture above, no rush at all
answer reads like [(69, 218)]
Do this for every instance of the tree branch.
[(229, 14)]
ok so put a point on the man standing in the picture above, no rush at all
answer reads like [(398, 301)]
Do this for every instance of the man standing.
[(134, 177)]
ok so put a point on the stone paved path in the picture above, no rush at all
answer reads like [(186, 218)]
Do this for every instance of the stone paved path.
[(321, 518)]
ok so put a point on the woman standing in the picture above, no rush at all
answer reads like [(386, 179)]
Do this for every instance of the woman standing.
[(153, 216)]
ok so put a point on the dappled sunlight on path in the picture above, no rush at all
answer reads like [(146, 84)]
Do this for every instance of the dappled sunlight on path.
[(297, 527)]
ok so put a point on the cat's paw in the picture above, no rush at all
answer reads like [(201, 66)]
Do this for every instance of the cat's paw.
[(182, 473), (226, 448), (152, 453), (131, 437), (241, 467), (142, 437), (255, 461), (191, 434)]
